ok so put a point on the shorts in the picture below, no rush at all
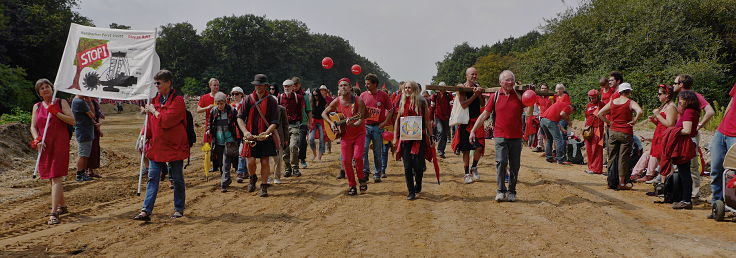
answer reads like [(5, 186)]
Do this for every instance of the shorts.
[(84, 149)]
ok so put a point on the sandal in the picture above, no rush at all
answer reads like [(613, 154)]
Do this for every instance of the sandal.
[(143, 216), (53, 218), (626, 186), (352, 191), (62, 210), (177, 214)]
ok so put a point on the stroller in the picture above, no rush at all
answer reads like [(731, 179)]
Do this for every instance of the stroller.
[(720, 207)]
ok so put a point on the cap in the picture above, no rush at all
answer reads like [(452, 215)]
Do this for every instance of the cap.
[(236, 89), (288, 83), (323, 87), (624, 86)]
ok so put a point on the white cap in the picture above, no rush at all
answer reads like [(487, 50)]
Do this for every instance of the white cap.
[(624, 86), (236, 89), (288, 83), (323, 87)]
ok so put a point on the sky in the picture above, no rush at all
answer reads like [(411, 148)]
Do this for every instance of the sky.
[(405, 38)]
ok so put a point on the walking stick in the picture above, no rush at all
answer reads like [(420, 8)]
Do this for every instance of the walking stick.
[(43, 138)]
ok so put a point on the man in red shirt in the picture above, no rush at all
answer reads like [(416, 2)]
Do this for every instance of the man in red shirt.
[(376, 104), (294, 104), (554, 131), (441, 109), (723, 140), (206, 102), (685, 82), (506, 132)]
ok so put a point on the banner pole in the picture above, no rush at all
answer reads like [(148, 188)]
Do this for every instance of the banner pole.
[(145, 126), (43, 137)]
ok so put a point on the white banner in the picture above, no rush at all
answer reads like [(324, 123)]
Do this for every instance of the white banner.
[(108, 63)]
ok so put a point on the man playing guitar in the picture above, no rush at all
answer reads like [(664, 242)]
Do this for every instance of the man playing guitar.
[(353, 137)]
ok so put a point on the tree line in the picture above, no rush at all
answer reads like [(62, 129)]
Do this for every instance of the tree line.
[(231, 48), (649, 41)]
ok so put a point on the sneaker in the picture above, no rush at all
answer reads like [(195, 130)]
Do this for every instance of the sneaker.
[(296, 173), (682, 205), (363, 185), (352, 191), (474, 171), (411, 196), (264, 190), (270, 180), (500, 197), (656, 179), (303, 163), (83, 178), (376, 180), (276, 181), (287, 173), (511, 197), (468, 179)]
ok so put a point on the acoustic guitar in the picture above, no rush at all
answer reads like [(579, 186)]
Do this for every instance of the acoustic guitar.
[(340, 122)]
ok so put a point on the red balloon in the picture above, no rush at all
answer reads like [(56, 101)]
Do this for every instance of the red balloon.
[(529, 98), (356, 69), (327, 63)]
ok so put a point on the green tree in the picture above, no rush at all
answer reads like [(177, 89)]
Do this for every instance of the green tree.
[(15, 89), (119, 26), (451, 69), (492, 65), (182, 52)]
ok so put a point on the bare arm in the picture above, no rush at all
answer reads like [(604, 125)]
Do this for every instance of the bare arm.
[(482, 118), (687, 128), (635, 106), (34, 132), (361, 111), (671, 119), (709, 112), (602, 113), (66, 113)]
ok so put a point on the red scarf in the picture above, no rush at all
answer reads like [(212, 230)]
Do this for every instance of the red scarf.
[(262, 124)]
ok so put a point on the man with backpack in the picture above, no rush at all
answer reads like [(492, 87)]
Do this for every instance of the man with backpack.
[(505, 109), (294, 104)]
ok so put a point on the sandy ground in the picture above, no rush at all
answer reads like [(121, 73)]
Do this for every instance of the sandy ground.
[(560, 211)]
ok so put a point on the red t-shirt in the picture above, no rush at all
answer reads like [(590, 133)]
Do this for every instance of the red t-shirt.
[(691, 115), (553, 112), (508, 115), (564, 98), (442, 108), (591, 118), (204, 101), (376, 105), (544, 102), (294, 104), (608, 96), (701, 100), (728, 125)]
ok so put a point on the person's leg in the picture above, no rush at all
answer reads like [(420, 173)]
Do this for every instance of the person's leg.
[(377, 151), (216, 156), (548, 135), (311, 143), (443, 127), (514, 159), (177, 174), (695, 169), (154, 173), (598, 153), (346, 152), (502, 161), (227, 162), (357, 154), (242, 167), (251, 166), (624, 166), (686, 182), (718, 149), (319, 127), (294, 145), (368, 137), (286, 157), (303, 145), (559, 140), (57, 193), (613, 149), (265, 170), (384, 159), (406, 159), (278, 165), (641, 164), (652, 166), (84, 150)]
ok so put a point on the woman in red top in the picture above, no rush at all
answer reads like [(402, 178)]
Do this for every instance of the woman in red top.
[(53, 163), (412, 151), (353, 140), (594, 143), (621, 133), (663, 117), (689, 109)]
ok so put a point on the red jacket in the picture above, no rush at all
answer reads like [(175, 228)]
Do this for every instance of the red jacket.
[(167, 134), (677, 149)]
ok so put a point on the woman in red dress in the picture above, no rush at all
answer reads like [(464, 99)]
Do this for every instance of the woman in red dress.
[(54, 161)]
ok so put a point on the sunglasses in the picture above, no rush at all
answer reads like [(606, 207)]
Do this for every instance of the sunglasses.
[(237, 93), (157, 83), (660, 93)]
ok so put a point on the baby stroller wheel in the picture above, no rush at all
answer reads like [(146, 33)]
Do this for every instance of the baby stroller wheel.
[(719, 210)]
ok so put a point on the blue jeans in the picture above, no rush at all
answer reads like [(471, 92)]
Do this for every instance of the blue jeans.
[(552, 131), (242, 164), (384, 157), (718, 148), (318, 126), (373, 133), (154, 178), (508, 153), (443, 129)]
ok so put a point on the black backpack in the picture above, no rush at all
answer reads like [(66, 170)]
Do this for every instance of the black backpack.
[(191, 135)]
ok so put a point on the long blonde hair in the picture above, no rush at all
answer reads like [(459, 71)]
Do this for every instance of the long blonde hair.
[(413, 98)]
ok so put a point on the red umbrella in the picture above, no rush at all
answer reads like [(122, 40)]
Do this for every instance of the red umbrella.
[(436, 165)]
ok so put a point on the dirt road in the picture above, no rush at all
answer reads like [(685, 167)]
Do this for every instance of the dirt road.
[(560, 211)]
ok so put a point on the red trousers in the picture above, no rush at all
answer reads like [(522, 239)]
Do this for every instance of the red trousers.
[(352, 150), (594, 148)]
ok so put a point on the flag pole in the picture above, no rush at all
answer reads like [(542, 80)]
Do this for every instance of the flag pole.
[(43, 137), (145, 125)]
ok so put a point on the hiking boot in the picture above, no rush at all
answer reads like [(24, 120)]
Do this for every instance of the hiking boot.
[(287, 173), (341, 175), (352, 191), (376, 180), (252, 183), (500, 197), (295, 172), (682, 205), (363, 185), (474, 171), (264, 190), (511, 197), (467, 179), (411, 196)]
